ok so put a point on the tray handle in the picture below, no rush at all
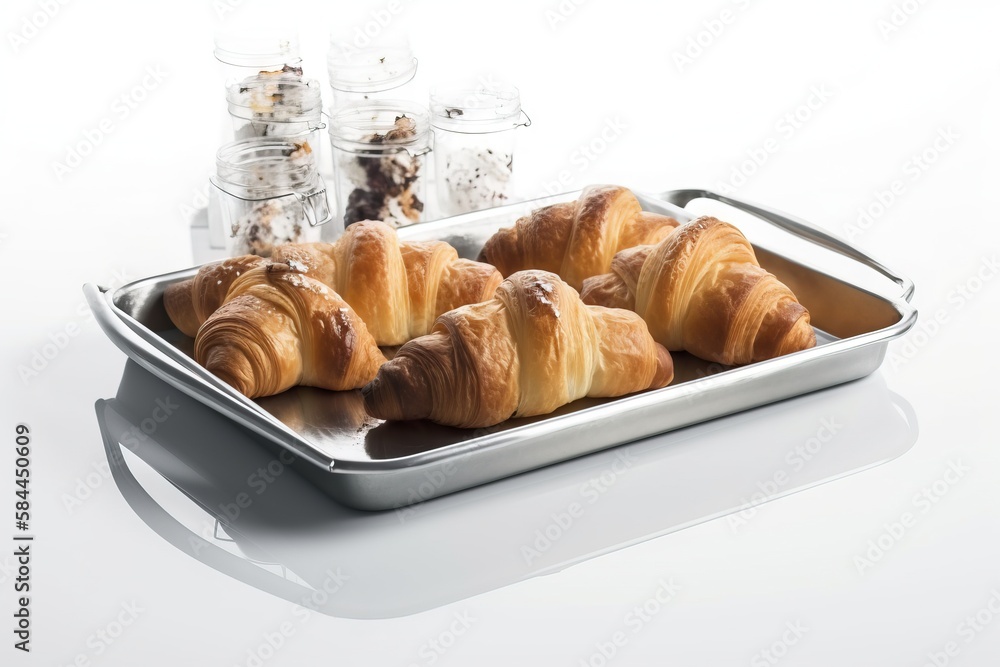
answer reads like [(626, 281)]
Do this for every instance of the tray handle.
[(796, 227), (123, 334), (182, 537)]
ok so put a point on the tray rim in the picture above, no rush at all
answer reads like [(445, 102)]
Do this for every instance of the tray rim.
[(490, 440)]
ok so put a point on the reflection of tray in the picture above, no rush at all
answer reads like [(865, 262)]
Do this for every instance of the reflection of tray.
[(371, 465), (286, 538)]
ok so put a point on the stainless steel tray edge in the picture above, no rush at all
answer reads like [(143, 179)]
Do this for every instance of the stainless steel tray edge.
[(465, 465), (140, 345), (397, 482)]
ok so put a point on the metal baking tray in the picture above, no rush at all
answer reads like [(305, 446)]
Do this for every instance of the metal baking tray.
[(373, 465)]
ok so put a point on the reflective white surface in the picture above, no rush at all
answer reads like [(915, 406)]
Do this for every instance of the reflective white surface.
[(610, 103), (533, 524)]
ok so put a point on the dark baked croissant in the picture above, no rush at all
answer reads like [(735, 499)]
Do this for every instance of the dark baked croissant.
[(576, 239), (534, 347), (702, 290)]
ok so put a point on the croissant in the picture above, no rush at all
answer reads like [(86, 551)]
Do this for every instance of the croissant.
[(190, 302), (702, 290), (534, 347), (397, 288), (279, 328), (577, 239)]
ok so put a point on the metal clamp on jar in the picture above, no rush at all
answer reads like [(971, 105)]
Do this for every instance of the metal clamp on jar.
[(268, 191), (474, 145), (379, 155)]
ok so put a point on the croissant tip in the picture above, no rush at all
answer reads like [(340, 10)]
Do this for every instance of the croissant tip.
[(805, 337), (178, 301), (664, 369), (368, 390), (399, 392)]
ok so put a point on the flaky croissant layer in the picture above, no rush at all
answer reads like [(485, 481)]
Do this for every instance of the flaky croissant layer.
[(702, 290), (279, 329), (398, 288), (531, 349), (577, 239)]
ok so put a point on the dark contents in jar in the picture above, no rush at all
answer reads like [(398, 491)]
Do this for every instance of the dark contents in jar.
[(385, 184)]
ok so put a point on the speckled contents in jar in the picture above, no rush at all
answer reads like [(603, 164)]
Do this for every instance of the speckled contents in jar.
[(476, 178), (268, 223), (277, 102), (288, 174), (271, 222), (384, 186)]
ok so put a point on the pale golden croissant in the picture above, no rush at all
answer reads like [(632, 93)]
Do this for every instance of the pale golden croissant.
[(398, 288), (278, 329), (577, 239), (534, 347), (702, 290)]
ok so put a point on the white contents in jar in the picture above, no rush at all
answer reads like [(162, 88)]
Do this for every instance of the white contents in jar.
[(476, 178), (278, 220), (267, 224)]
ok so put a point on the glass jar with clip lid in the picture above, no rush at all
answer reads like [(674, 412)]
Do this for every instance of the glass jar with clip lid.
[(268, 192), (474, 132)]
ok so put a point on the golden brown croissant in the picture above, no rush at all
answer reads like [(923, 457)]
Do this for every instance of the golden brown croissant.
[(534, 347), (189, 303), (279, 328), (577, 239), (702, 290), (397, 288)]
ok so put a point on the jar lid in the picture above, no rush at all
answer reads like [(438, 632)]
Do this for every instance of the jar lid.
[(475, 109), (380, 126), (263, 49), (278, 96), (371, 69)]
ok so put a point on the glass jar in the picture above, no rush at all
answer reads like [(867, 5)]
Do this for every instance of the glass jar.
[(373, 72), (245, 53), (268, 191), (379, 158), (474, 145), (275, 104)]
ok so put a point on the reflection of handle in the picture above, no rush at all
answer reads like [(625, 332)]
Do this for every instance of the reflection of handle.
[(182, 537), (795, 226), (165, 361)]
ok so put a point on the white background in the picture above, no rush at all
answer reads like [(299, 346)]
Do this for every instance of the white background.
[(891, 91)]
